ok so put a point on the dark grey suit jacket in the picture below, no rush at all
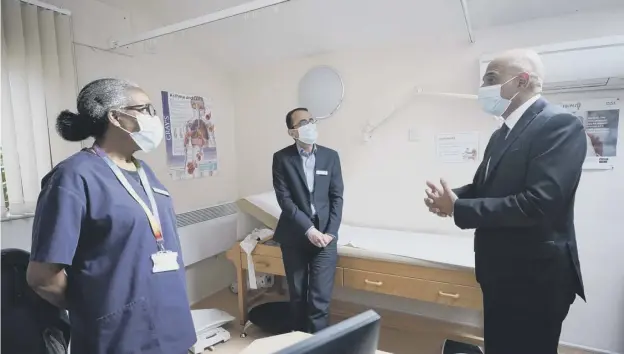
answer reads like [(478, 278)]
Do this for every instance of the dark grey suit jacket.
[(523, 211), (295, 199)]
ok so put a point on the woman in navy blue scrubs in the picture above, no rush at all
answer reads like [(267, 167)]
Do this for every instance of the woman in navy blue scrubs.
[(105, 244)]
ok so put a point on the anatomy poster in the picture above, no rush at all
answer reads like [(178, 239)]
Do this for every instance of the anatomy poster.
[(189, 135), (601, 119), (457, 147)]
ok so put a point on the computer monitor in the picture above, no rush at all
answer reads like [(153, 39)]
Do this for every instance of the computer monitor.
[(356, 335)]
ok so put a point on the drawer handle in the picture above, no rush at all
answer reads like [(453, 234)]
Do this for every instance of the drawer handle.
[(454, 296), (370, 282), (262, 264)]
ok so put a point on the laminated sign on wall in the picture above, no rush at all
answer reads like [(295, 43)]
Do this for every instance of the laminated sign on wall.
[(458, 147), (601, 120), (189, 135)]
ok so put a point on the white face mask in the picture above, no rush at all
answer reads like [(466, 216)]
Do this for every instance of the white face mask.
[(491, 100), (150, 134), (308, 134)]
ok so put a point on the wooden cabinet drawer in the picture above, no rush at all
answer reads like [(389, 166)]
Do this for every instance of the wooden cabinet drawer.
[(264, 264), (338, 279), (425, 290), (272, 265)]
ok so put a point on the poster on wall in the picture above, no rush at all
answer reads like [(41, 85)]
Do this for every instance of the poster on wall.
[(601, 119), (189, 135), (457, 147)]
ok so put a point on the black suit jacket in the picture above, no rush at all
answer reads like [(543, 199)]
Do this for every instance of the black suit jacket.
[(523, 212), (295, 199)]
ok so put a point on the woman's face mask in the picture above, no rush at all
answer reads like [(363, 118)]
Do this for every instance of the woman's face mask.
[(150, 134)]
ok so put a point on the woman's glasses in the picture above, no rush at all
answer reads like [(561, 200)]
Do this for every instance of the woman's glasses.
[(142, 108)]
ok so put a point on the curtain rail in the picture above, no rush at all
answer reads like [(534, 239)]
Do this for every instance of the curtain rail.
[(47, 6)]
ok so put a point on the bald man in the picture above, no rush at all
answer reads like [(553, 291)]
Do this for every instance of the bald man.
[(521, 203)]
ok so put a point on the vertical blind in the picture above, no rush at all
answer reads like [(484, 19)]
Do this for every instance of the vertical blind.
[(38, 81)]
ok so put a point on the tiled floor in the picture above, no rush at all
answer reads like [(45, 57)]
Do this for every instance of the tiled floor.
[(391, 340), (424, 336)]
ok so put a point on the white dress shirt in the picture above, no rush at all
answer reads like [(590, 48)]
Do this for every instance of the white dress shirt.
[(511, 121), (309, 164), (513, 118)]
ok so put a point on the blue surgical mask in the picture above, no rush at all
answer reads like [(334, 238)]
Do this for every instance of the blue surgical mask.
[(491, 100)]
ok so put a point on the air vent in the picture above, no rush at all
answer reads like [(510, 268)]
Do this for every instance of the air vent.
[(207, 214), (580, 84), (580, 66), (610, 83)]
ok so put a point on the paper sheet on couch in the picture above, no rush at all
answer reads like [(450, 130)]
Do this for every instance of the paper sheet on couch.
[(444, 249)]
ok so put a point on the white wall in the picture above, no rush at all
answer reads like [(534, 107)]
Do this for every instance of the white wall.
[(156, 67), (374, 80), (384, 180)]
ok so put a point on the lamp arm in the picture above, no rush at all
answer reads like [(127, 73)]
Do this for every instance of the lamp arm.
[(371, 127)]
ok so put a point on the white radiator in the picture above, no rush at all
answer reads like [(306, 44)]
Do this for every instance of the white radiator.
[(207, 232)]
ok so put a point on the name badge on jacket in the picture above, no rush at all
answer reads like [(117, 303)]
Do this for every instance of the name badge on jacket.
[(321, 173)]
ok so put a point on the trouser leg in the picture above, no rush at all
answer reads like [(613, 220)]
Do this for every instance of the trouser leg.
[(522, 317), (296, 267), (321, 284)]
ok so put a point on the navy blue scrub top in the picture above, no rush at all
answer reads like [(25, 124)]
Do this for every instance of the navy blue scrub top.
[(85, 219)]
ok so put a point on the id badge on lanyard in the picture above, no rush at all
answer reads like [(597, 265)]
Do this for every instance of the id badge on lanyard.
[(163, 260)]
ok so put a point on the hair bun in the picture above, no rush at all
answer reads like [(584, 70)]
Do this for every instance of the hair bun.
[(73, 127)]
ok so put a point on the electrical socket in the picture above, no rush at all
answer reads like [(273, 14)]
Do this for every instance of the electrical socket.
[(412, 135)]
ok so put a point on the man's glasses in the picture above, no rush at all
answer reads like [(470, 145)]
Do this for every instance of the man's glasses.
[(304, 122)]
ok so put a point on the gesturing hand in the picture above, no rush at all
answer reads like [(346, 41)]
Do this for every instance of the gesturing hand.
[(318, 238), (440, 201)]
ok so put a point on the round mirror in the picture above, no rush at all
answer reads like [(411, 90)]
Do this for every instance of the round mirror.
[(321, 91)]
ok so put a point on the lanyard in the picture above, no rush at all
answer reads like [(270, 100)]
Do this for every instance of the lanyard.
[(152, 215)]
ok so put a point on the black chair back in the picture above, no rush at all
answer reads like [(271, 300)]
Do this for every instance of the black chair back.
[(29, 323)]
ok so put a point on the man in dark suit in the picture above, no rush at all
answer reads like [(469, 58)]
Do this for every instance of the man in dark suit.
[(521, 203), (308, 184)]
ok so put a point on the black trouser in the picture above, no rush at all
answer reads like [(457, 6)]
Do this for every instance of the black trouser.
[(525, 317), (310, 272)]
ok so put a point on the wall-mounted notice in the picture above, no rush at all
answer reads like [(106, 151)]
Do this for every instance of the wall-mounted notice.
[(457, 147), (189, 135), (601, 120)]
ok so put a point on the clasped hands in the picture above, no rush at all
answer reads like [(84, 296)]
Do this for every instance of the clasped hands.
[(318, 238), (440, 200)]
